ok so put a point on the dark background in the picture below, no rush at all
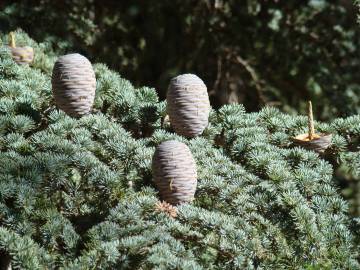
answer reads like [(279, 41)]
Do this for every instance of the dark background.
[(274, 52)]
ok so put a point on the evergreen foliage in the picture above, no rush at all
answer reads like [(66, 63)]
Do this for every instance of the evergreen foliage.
[(78, 193)]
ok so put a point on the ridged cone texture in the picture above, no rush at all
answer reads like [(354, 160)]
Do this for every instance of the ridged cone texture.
[(74, 84), (174, 172), (188, 105), (22, 55)]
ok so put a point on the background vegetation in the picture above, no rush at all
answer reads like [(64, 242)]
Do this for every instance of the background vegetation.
[(254, 52)]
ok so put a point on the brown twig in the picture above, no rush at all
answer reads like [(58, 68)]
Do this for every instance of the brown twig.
[(218, 76), (255, 78)]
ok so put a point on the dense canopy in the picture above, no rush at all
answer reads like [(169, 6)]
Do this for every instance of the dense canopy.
[(78, 193)]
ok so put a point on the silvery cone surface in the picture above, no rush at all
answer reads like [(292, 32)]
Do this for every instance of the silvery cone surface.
[(22, 55), (74, 84), (174, 172), (188, 105)]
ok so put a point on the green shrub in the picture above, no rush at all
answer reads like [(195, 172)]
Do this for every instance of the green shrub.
[(78, 193)]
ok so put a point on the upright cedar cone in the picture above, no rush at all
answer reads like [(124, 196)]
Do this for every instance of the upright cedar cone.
[(188, 105), (73, 83), (21, 55), (174, 172), (312, 141)]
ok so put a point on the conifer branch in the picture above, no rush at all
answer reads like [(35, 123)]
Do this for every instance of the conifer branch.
[(260, 203)]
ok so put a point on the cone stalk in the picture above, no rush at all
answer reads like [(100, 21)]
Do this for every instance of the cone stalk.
[(310, 121), (12, 40)]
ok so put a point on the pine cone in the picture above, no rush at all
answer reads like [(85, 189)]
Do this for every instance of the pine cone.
[(188, 105), (74, 84), (319, 144), (22, 55), (166, 208), (174, 172)]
